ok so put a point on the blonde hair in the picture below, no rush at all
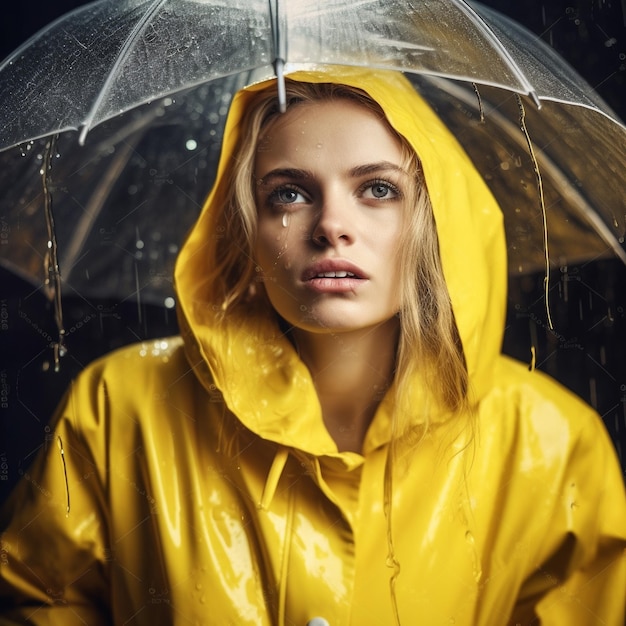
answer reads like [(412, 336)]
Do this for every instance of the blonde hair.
[(429, 338)]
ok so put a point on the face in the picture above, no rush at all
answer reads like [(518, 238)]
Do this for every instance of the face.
[(330, 196)]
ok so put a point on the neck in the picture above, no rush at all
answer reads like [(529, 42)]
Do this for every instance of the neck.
[(351, 372)]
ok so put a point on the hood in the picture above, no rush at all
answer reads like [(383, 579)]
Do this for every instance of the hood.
[(255, 367)]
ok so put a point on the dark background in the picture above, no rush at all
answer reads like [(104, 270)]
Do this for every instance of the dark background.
[(587, 354)]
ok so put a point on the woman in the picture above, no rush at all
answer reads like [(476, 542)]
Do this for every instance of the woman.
[(336, 435)]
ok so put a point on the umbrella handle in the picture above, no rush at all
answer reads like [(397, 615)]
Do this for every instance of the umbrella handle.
[(279, 65)]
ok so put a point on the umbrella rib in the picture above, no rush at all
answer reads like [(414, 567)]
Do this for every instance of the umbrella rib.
[(480, 23), (121, 56)]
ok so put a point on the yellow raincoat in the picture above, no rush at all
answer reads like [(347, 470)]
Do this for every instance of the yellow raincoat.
[(192, 481)]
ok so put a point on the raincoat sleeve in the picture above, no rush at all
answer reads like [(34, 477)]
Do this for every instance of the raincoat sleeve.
[(581, 574), (54, 556)]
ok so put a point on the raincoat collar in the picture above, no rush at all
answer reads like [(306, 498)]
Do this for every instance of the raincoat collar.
[(262, 379)]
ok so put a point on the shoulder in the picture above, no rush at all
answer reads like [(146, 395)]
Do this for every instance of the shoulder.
[(539, 420), (143, 358), (532, 394), (139, 382)]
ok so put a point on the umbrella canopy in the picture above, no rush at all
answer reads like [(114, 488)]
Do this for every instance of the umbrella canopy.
[(105, 61), (111, 56)]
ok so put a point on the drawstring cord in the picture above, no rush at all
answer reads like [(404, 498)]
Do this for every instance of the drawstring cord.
[(269, 490), (392, 561), (271, 483), (284, 565)]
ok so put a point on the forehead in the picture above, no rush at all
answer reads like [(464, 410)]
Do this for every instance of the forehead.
[(337, 129)]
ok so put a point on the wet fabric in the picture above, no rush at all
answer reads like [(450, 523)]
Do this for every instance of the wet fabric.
[(192, 481)]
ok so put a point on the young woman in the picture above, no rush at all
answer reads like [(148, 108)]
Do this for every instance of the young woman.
[(335, 438)]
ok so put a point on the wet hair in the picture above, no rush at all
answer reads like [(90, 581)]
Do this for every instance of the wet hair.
[(429, 339)]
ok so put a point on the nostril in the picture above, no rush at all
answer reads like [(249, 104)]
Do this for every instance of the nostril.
[(320, 240)]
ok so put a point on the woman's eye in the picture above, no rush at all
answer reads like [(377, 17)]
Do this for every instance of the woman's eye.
[(286, 195), (381, 191)]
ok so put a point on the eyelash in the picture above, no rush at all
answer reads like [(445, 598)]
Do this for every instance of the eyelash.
[(273, 196), (380, 182)]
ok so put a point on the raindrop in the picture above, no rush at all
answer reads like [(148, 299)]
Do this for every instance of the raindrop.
[(139, 244), (169, 303), (191, 144)]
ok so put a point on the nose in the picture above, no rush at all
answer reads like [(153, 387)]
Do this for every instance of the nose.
[(333, 224)]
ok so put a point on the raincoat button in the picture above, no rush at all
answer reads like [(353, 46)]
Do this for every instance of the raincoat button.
[(317, 621)]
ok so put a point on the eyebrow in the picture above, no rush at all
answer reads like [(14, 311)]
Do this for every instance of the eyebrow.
[(286, 172), (380, 166), (355, 172)]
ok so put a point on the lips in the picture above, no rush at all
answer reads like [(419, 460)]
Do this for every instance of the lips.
[(334, 269), (334, 276)]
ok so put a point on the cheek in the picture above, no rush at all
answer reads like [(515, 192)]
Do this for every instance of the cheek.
[(271, 246), (280, 243)]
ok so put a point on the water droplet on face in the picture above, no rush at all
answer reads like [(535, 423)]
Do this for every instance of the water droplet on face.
[(285, 221)]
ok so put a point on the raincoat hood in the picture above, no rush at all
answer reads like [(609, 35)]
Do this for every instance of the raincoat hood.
[(256, 367)]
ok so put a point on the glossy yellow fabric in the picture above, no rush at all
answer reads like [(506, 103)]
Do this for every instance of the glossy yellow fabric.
[(204, 489)]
